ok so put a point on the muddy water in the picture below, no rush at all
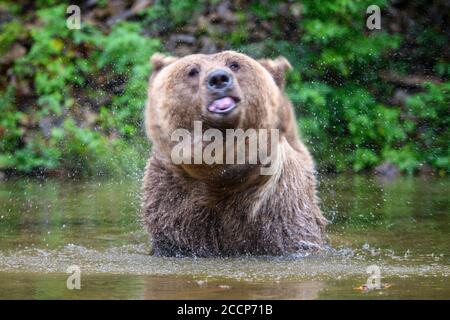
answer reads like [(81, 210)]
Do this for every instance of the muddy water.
[(401, 226)]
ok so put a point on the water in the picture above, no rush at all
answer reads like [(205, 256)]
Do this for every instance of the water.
[(401, 226)]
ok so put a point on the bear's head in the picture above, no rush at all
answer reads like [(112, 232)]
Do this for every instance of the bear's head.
[(227, 90)]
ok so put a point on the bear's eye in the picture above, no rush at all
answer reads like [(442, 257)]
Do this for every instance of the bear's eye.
[(234, 66), (193, 72)]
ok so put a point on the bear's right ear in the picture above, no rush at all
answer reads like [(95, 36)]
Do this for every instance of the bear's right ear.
[(277, 68), (159, 61)]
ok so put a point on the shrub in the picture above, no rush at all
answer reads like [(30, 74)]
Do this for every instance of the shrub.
[(75, 97)]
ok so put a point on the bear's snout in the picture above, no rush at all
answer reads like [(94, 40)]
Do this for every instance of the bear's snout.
[(219, 81), (223, 94)]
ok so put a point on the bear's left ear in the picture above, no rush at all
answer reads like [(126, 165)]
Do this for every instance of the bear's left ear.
[(159, 61), (277, 68)]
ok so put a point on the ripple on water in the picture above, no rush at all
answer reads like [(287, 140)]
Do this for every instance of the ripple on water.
[(134, 259)]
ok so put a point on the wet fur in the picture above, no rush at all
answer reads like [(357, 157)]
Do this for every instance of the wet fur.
[(228, 210)]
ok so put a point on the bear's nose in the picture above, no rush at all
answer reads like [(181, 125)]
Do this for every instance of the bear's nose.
[(219, 80)]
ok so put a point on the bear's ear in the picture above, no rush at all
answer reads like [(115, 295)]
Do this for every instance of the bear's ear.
[(277, 68), (159, 61)]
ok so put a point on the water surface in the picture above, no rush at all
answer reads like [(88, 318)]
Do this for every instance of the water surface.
[(401, 226)]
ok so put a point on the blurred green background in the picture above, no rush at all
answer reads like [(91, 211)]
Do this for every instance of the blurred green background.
[(71, 101)]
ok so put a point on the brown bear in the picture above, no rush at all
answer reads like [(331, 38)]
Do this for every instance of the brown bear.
[(217, 209)]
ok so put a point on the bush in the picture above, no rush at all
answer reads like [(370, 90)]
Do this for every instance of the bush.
[(72, 120), (73, 98)]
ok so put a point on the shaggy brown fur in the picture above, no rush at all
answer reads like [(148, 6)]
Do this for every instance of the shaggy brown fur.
[(223, 210)]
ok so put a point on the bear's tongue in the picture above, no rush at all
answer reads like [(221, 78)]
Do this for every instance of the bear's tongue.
[(222, 105)]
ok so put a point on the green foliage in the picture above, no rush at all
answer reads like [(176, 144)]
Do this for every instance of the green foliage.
[(77, 97), (341, 99), (9, 32), (61, 64), (429, 116)]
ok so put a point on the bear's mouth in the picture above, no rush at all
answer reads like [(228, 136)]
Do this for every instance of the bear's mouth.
[(223, 105)]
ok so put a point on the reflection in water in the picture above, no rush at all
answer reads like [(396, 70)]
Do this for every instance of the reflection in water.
[(163, 288), (110, 286), (403, 226)]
